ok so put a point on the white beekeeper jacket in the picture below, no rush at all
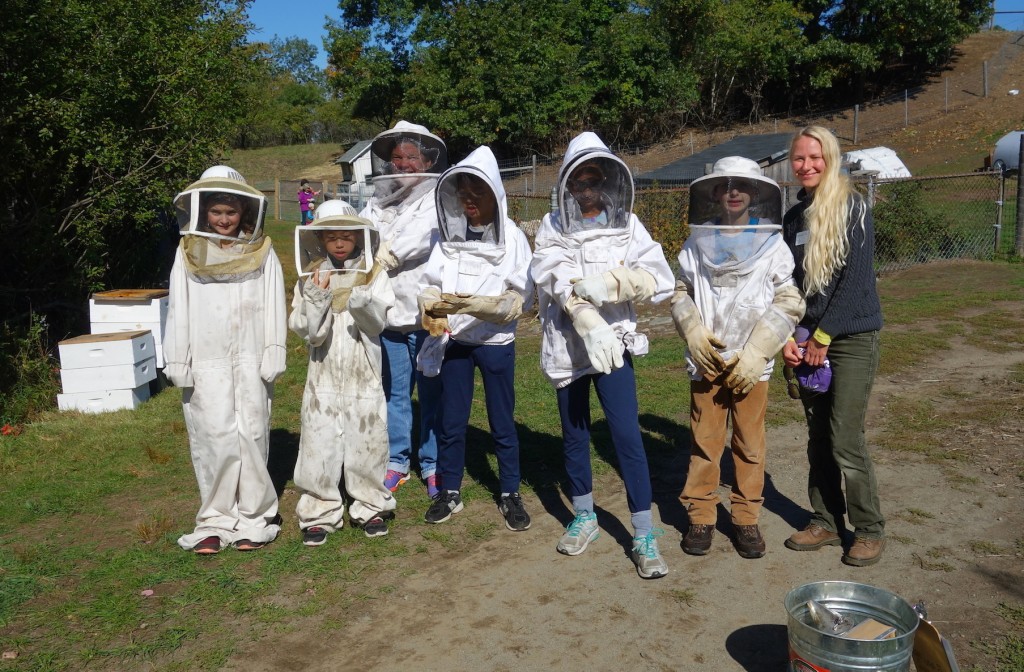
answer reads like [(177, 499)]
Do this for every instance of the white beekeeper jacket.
[(482, 268), (732, 296), (225, 346), (559, 258), (344, 413)]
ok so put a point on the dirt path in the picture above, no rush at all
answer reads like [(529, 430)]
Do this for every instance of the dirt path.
[(512, 602)]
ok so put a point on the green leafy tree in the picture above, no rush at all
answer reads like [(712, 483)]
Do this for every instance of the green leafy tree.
[(109, 108)]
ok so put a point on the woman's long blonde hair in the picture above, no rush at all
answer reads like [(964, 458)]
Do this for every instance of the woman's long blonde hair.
[(826, 218)]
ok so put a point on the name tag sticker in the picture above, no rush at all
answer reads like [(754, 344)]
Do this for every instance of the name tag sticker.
[(801, 237)]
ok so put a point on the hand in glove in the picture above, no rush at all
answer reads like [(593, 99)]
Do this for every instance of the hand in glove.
[(746, 369), (433, 321), (180, 375), (384, 258), (615, 286), (603, 347), (500, 309), (701, 341)]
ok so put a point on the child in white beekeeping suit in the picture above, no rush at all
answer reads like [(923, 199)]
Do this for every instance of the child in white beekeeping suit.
[(476, 283), (341, 301), (593, 260), (735, 305), (225, 347)]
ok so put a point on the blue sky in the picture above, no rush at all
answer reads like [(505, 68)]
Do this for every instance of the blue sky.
[(305, 19)]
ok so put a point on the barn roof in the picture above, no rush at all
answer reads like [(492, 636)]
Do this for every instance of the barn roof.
[(765, 149)]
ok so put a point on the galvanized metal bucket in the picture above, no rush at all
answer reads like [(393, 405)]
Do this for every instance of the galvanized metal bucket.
[(811, 650)]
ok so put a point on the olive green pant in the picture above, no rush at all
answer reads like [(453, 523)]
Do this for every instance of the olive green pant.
[(836, 446)]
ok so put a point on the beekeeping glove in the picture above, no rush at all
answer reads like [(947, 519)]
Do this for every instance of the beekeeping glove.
[(766, 339), (615, 286), (434, 322), (700, 341), (603, 347)]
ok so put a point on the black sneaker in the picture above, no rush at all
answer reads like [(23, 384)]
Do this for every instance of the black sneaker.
[(314, 536), (698, 539), (378, 525), (444, 505), (514, 511)]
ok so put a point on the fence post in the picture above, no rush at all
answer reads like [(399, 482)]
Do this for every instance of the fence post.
[(533, 164), (1019, 240), (984, 76), (871, 191), (999, 213), (856, 122), (946, 95), (906, 108), (277, 198)]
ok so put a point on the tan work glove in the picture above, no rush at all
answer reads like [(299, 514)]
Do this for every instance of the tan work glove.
[(435, 323), (500, 309), (615, 286), (384, 257), (700, 341), (603, 347), (768, 336)]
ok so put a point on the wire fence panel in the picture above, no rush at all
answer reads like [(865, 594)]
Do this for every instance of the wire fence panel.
[(917, 220)]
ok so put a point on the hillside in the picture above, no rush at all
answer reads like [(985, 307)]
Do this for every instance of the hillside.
[(935, 142)]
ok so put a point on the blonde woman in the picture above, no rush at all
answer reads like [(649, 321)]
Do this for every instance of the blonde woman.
[(831, 235)]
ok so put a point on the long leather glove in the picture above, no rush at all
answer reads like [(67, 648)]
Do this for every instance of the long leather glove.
[(603, 347), (701, 341), (435, 323), (767, 338), (500, 309), (615, 286)]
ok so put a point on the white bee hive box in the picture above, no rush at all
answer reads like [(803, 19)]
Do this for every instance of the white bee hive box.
[(103, 401), (92, 350)]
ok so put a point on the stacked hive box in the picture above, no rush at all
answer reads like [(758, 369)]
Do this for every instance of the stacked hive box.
[(106, 372), (122, 310)]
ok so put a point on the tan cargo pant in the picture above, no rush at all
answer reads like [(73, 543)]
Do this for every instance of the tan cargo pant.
[(711, 405)]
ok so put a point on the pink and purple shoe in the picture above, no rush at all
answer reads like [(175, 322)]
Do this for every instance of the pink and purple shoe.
[(393, 479)]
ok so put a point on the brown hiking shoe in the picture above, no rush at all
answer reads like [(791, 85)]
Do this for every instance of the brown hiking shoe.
[(698, 539), (864, 552), (811, 538), (749, 542)]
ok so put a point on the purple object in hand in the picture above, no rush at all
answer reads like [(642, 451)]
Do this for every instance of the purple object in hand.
[(811, 378)]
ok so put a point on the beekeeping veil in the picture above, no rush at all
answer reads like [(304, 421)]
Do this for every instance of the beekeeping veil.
[(734, 211), (311, 254), (206, 255), (406, 161), (593, 179), (330, 218), (475, 182)]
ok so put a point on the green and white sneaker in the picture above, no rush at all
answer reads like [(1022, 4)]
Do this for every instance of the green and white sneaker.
[(649, 563), (581, 531)]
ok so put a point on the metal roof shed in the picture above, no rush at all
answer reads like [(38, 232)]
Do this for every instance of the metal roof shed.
[(356, 165), (770, 150)]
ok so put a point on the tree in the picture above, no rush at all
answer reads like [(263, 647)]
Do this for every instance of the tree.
[(296, 57), (109, 108)]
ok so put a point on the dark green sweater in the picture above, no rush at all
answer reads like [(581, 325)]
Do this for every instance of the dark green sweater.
[(849, 304)]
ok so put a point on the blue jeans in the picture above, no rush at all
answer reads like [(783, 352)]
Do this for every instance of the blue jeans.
[(497, 364), (617, 393), (399, 377)]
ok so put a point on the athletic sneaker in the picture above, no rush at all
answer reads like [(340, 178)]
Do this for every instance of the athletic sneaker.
[(581, 531), (393, 479), (514, 512), (649, 563), (444, 505), (378, 525), (433, 485), (314, 536)]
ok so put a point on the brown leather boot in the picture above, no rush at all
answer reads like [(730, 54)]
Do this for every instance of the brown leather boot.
[(811, 538), (749, 542), (864, 552), (698, 539)]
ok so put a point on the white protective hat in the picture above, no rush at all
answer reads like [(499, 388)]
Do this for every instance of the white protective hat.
[(728, 172), (334, 215), (219, 183)]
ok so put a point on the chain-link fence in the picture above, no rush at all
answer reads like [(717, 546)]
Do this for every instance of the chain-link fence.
[(917, 220)]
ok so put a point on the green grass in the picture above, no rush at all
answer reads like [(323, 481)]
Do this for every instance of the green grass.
[(93, 504)]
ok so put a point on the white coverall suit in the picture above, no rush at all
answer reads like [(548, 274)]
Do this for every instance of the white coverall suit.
[(225, 346), (344, 415)]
